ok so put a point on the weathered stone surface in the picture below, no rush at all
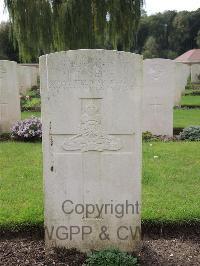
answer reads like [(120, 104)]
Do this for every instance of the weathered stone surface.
[(158, 96), (9, 95), (27, 76), (182, 75), (195, 73), (91, 101)]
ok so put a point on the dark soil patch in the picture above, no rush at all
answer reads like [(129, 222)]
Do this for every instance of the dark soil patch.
[(31, 109), (27, 251), (177, 130), (163, 244), (192, 93), (174, 252), (180, 230), (30, 251), (187, 107), (5, 136)]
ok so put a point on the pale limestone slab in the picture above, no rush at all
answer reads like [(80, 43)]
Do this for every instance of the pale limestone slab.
[(9, 95), (27, 76), (158, 96), (195, 73), (182, 75), (91, 114)]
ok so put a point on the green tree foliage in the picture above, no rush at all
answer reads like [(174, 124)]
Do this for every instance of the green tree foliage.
[(150, 48), (174, 33), (42, 26), (180, 31), (7, 51), (198, 39), (31, 24)]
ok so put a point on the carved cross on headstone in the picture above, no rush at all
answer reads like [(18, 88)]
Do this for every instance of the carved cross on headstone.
[(91, 136)]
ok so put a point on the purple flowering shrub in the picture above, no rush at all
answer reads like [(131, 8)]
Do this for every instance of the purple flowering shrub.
[(28, 129)]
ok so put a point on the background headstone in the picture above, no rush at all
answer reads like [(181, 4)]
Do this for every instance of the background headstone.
[(158, 96), (182, 75), (9, 95), (195, 73), (27, 76), (91, 101)]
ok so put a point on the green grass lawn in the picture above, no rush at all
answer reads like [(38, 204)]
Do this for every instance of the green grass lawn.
[(171, 183), (21, 183), (185, 118), (25, 115), (190, 100)]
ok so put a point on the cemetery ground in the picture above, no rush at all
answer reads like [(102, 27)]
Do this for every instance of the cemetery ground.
[(169, 195), (188, 113), (190, 100), (186, 117), (171, 199)]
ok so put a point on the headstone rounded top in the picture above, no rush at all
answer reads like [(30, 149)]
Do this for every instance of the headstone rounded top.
[(92, 51), (8, 61)]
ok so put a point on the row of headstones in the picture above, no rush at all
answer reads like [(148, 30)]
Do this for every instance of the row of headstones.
[(164, 82), (92, 114), (93, 118), (15, 79), (163, 85)]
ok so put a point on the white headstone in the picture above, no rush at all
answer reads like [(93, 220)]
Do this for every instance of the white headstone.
[(24, 78), (195, 73), (158, 96), (91, 101), (9, 95), (182, 75), (27, 77), (35, 75)]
